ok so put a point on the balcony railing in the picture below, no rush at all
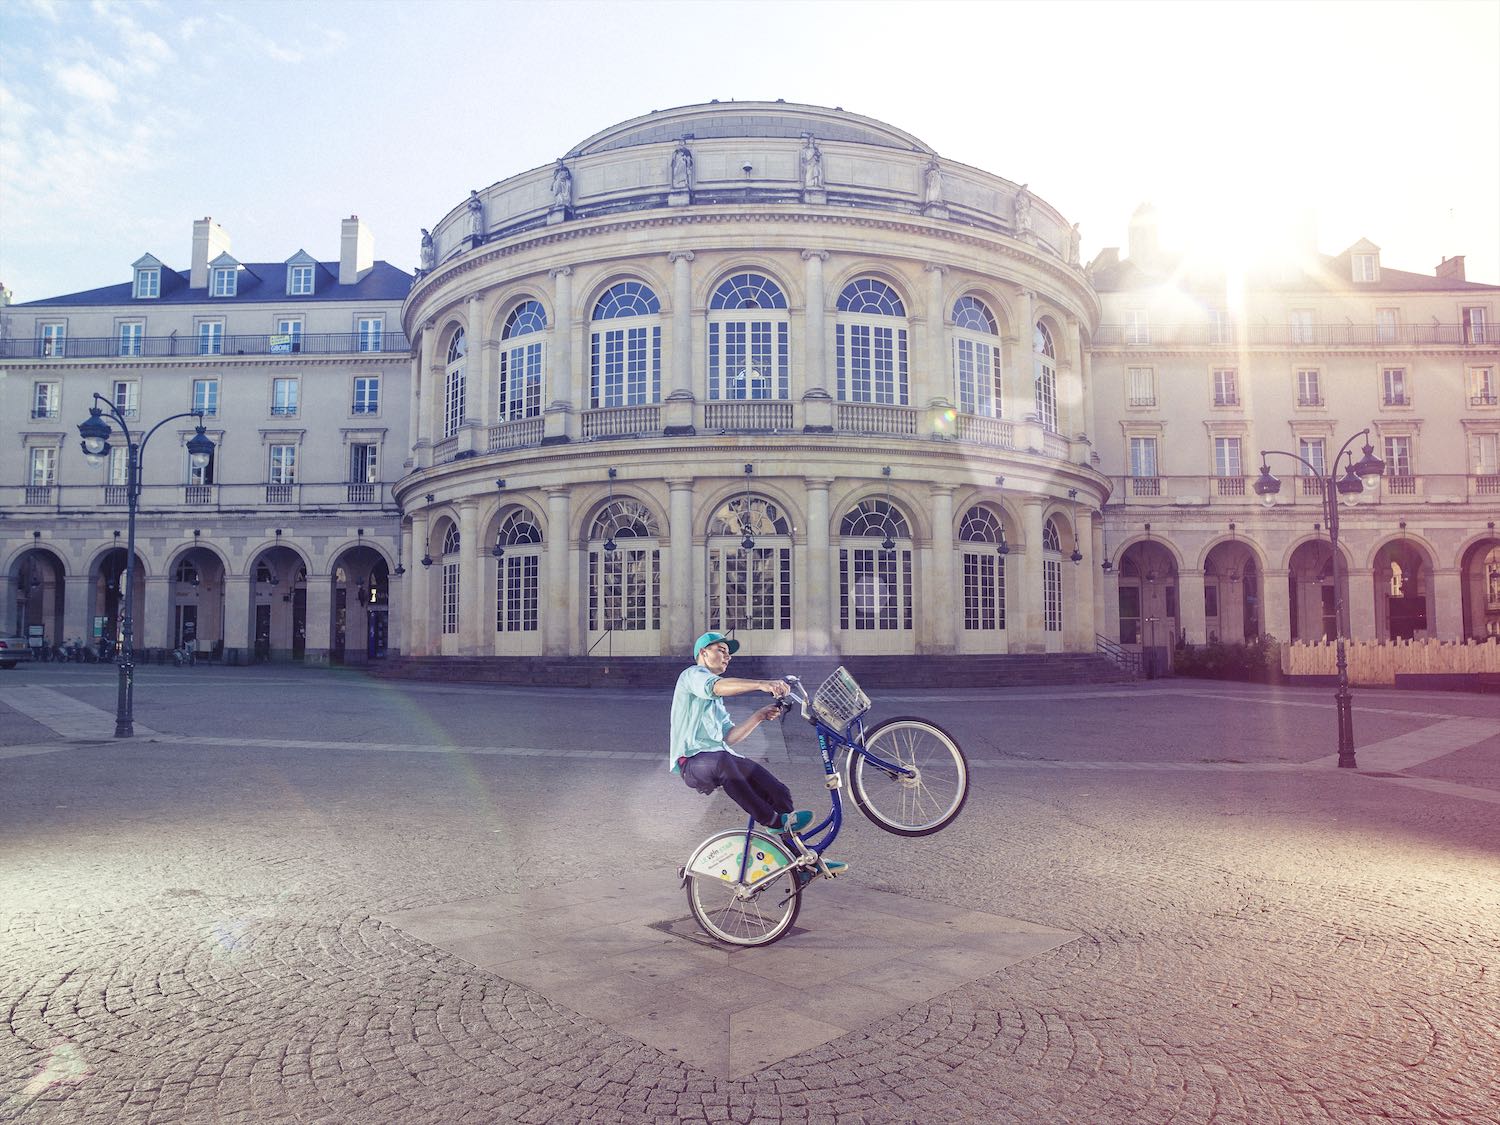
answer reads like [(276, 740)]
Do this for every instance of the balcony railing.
[(361, 492), (515, 435), (1487, 484), (980, 430), (39, 493), (868, 418), (198, 495), (116, 494), (1482, 400), (187, 346), (747, 416), (1206, 491), (1144, 486), (1400, 485), (1229, 486), (279, 493), (621, 421), (1295, 335), (92, 496)]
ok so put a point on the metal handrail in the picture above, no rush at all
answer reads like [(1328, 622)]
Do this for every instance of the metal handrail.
[(1296, 335), (1123, 657), (387, 342)]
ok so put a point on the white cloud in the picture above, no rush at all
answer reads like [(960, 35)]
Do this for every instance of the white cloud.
[(83, 81)]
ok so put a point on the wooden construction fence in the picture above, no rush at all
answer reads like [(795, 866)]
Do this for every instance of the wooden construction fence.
[(1373, 663)]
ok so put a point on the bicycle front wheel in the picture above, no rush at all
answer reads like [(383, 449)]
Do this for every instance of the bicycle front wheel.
[(738, 913), (914, 803)]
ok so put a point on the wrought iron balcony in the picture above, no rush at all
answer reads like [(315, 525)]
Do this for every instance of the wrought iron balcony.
[(188, 346), (1290, 335)]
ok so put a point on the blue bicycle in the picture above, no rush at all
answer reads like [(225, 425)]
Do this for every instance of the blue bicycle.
[(908, 776)]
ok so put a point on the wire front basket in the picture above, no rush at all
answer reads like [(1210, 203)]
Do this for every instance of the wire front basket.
[(839, 700)]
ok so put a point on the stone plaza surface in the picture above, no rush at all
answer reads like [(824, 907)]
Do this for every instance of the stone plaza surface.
[(311, 896)]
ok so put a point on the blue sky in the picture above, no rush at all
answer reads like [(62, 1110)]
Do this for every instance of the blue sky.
[(121, 122)]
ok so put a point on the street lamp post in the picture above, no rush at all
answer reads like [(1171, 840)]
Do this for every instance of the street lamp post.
[(96, 433), (1358, 476)]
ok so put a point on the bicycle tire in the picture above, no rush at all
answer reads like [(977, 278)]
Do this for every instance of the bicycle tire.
[(905, 806), (725, 916)]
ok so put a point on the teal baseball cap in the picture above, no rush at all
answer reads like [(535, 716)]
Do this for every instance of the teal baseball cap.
[(712, 639)]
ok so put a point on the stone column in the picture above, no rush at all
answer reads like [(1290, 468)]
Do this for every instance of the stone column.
[(1276, 604), (421, 409), (238, 646), (318, 620), (1084, 586), (567, 396), (930, 384), (1090, 409), (1359, 606), (1107, 599), (78, 607), (1190, 609), (680, 402), (559, 585), (1445, 608), (483, 361), (154, 614), (819, 588), (1029, 582), (420, 637), (939, 620), (472, 575), (817, 400), (680, 621)]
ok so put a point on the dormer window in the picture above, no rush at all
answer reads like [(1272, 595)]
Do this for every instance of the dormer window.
[(224, 281), (1366, 267), (148, 282), (299, 281)]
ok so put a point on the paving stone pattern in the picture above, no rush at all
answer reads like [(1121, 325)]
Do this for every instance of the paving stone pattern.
[(194, 931)]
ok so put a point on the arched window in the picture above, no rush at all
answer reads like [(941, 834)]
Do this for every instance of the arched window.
[(521, 370), (454, 385), (749, 349), (750, 566), (450, 580), (981, 534), (625, 354), (1044, 359), (624, 577), (186, 573), (875, 568), (870, 344), (1051, 578), (517, 577), (976, 358)]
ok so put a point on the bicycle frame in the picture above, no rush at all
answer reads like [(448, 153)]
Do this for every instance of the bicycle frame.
[(830, 743)]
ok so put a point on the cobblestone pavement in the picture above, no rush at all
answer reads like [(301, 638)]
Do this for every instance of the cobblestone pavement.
[(188, 924)]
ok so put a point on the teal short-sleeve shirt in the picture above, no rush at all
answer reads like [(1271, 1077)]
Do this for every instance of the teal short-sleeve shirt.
[(699, 718)]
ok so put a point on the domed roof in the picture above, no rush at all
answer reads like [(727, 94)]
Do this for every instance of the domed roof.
[(749, 119)]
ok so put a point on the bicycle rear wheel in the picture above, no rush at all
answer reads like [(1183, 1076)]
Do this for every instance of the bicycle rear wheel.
[(916, 805), (734, 912)]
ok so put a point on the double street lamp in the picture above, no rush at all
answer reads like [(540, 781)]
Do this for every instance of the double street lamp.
[(1358, 477), (96, 433)]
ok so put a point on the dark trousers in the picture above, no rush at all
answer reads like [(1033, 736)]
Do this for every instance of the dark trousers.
[(748, 784)]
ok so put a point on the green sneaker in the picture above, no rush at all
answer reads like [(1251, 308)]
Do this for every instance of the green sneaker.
[(836, 867), (795, 822)]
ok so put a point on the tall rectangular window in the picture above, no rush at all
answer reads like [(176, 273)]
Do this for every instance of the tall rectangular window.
[(1393, 387), (1486, 455), (367, 394), (1226, 386), (1482, 386), (43, 466), (1142, 386), (119, 464), (1227, 457), (371, 331), (1220, 327), (1312, 451), (455, 394), (283, 468), (520, 381), (54, 340), (300, 281), (1052, 605), (364, 465), (1364, 267), (148, 283), (1143, 457), (206, 396), (288, 334), (224, 282), (1474, 326), (127, 397), (284, 397), (1398, 456), (1303, 330), (1386, 331), (1309, 387), (211, 337), (1137, 327), (46, 400), (132, 336), (450, 598), (984, 591)]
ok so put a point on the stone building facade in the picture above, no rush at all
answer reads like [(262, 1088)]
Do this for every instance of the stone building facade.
[(769, 367)]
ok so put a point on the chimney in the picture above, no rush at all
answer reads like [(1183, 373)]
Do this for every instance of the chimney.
[(209, 241), (356, 251), (1451, 269)]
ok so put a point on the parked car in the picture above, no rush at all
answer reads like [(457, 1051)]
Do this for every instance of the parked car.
[(12, 651)]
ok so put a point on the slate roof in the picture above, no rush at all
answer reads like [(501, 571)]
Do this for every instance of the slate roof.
[(1334, 275), (258, 282)]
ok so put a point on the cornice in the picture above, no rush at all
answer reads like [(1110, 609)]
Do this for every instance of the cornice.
[(1063, 276)]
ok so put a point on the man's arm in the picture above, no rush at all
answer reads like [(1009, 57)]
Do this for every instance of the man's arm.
[(738, 732), (729, 685)]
